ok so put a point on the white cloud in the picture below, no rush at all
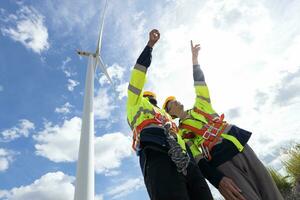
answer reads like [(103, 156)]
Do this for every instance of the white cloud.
[(29, 29), (112, 173), (64, 109), (99, 197), (288, 89), (122, 89), (274, 128), (61, 144), (21, 130), (68, 71), (110, 149), (6, 158), (115, 72), (51, 186), (104, 104), (171, 67), (65, 62), (54, 185), (1, 88), (72, 84), (72, 17), (125, 188)]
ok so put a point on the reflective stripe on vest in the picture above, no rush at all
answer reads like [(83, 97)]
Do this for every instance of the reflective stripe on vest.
[(235, 141), (211, 132), (138, 114), (134, 90)]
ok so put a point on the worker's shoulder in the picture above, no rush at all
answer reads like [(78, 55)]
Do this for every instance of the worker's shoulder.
[(141, 102)]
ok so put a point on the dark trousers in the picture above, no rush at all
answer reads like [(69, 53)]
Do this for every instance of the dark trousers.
[(164, 182)]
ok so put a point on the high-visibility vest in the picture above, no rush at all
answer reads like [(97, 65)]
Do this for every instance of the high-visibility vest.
[(140, 112), (210, 132), (193, 129)]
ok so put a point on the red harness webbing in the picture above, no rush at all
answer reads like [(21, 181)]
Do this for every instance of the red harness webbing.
[(211, 132), (139, 128), (158, 119)]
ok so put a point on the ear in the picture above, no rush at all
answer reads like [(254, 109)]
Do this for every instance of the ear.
[(168, 107)]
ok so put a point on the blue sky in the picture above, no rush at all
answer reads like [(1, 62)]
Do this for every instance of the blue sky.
[(250, 57)]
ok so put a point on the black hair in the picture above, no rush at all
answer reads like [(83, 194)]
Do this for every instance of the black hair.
[(152, 100)]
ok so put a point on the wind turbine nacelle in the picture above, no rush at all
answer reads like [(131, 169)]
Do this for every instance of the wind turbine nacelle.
[(85, 53)]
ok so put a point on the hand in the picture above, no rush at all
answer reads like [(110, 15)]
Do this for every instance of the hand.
[(195, 50), (154, 36), (229, 190)]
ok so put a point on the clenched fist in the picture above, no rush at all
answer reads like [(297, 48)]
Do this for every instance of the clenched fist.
[(154, 36)]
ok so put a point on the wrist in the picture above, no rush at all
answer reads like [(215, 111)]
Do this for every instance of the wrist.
[(150, 44), (219, 181)]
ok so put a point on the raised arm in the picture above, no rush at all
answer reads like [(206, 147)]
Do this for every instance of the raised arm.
[(224, 184), (199, 80), (197, 72), (138, 74)]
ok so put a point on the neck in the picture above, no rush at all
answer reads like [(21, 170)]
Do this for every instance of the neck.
[(183, 115)]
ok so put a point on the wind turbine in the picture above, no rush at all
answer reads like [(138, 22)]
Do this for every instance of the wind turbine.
[(85, 174)]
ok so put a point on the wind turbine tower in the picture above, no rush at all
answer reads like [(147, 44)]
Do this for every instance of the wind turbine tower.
[(85, 174)]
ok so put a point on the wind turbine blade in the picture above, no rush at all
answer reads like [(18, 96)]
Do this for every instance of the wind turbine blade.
[(101, 31), (103, 69)]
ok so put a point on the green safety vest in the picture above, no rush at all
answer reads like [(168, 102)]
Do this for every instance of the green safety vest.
[(138, 107), (197, 120)]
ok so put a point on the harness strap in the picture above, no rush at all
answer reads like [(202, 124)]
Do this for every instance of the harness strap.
[(139, 128), (158, 119), (188, 136), (218, 120), (206, 115), (211, 144), (197, 131), (210, 132)]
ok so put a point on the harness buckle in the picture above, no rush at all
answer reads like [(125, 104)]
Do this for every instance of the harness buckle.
[(207, 135)]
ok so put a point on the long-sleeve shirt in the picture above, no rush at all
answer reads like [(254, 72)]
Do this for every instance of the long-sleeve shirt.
[(224, 150), (140, 108)]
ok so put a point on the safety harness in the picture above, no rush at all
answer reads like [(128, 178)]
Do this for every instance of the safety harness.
[(210, 132), (158, 119), (178, 156)]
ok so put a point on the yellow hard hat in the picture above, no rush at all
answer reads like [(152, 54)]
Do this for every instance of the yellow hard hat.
[(170, 98), (149, 94)]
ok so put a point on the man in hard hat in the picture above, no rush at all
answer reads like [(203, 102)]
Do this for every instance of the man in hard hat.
[(221, 149), (169, 173)]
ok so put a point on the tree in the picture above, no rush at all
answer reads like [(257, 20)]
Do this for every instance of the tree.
[(289, 185), (292, 166), (282, 182)]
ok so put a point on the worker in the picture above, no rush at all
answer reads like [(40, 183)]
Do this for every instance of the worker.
[(169, 173), (220, 148)]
